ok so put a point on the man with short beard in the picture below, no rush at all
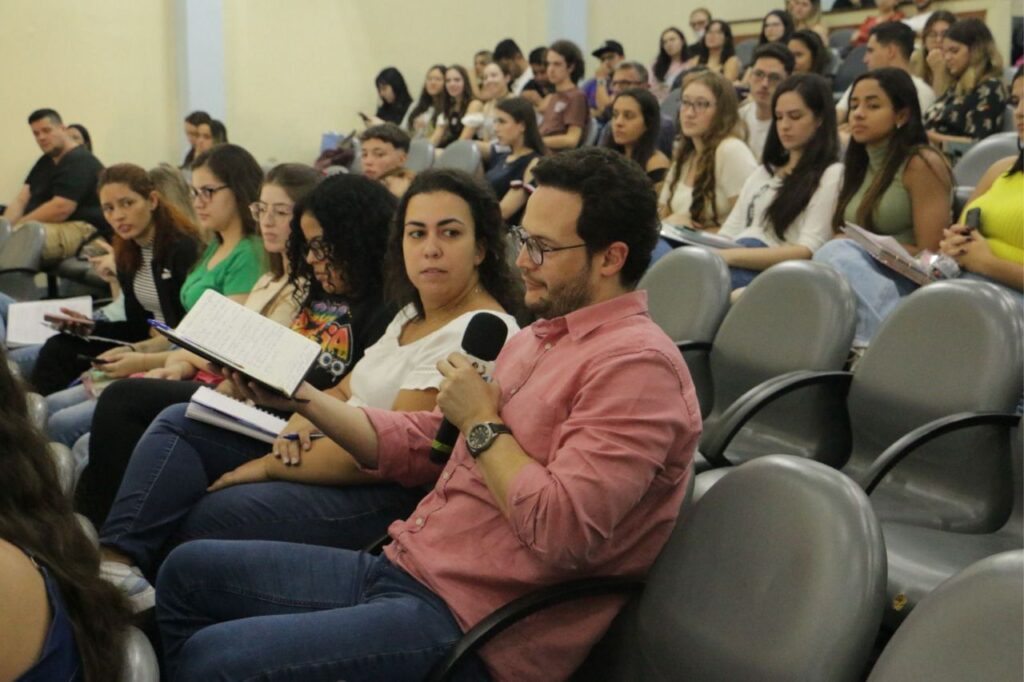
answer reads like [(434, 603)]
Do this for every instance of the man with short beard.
[(60, 190), (572, 462)]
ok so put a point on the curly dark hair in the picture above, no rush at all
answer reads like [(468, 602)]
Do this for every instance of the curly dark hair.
[(495, 272), (37, 517), (355, 213)]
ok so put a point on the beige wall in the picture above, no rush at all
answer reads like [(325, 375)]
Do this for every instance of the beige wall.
[(108, 65)]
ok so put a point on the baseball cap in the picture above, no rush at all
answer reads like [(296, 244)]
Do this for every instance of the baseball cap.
[(609, 46)]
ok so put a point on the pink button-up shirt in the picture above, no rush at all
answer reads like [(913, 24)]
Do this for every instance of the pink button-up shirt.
[(602, 402)]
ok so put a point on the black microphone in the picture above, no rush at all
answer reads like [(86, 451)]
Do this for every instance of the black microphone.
[(484, 337)]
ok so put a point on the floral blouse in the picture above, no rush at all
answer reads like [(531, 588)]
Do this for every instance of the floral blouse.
[(977, 114)]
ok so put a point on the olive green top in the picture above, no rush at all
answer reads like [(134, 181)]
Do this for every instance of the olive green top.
[(893, 216)]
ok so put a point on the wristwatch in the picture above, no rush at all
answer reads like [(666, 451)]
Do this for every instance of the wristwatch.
[(482, 435)]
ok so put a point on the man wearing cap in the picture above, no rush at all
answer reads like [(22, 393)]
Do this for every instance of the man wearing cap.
[(597, 89)]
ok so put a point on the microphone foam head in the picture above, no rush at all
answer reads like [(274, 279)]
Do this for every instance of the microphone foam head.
[(485, 335)]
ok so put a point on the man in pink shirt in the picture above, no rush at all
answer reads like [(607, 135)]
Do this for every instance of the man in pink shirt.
[(573, 462)]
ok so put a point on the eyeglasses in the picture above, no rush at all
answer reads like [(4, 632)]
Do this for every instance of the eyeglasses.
[(277, 211), (205, 192), (773, 78), (622, 84), (534, 249), (319, 248), (699, 106)]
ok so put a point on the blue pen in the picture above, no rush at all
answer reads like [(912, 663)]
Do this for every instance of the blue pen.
[(295, 436), (159, 325)]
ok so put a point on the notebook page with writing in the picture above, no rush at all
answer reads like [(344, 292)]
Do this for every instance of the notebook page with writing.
[(25, 323), (233, 413), (258, 346)]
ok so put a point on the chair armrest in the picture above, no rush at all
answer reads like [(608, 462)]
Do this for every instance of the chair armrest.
[(898, 451), (750, 403), (31, 271), (684, 346), (513, 612)]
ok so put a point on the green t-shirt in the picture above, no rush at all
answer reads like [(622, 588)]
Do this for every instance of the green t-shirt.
[(234, 275)]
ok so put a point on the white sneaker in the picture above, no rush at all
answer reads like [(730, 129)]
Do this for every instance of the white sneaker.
[(129, 580)]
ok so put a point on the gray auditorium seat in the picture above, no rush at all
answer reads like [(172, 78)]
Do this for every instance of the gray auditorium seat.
[(852, 66), (140, 660), (970, 628), (688, 295), (19, 262), (1009, 125), (421, 155), (745, 51), (77, 278), (839, 38), (5, 231), (981, 155), (357, 160), (65, 463), (671, 104), (37, 410), (751, 586), (461, 155)]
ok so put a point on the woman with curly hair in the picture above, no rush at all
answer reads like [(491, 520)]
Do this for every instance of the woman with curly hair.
[(446, 260), (712, 161), (59, 620)]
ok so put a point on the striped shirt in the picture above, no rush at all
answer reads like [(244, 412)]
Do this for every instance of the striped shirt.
[(145, 287)]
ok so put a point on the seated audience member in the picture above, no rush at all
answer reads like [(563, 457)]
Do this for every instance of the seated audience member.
[(423, 116), (776, 27), (995, 253), (716, 51), (478, 123), (890, 45), (480, 60), (629, 75), (530, 504), (771, 64), (510, 173), (784, 211), (806, 16), (810, 55), (508, 54), (711, 162), (539, 86), (442, 266), (192, 122), (384, 150), (699, 20), (155, 247), (78, 134), (458, 97), (853, 4), (395, 99), (928, 62), (973, 106), (887, 11), (59, 620), (60, 191), (598, 88), (565, 111), (635, 125), (209, 135), (670, 62)]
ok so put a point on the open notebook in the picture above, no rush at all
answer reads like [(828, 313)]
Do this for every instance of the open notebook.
[(25, 323), (892, 255), (687, 235), (231, 335), (217, 409)]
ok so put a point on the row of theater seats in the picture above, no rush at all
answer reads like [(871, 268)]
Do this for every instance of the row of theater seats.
[(21, 260)]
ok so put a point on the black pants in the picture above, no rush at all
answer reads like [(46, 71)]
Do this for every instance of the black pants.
[(124, 411), (58, 364)]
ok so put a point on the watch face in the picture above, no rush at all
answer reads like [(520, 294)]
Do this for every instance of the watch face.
[(478, 437)]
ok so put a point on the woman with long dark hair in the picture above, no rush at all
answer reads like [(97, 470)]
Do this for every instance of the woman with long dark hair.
[(912, 185), (784, 209), (928, 62), (776, 27), (510, 173), (394, 96), (717, 52), (806, 16), (60, 621), (458, 96), (670, 62), (810, 55), (635, 125), (422, 117)]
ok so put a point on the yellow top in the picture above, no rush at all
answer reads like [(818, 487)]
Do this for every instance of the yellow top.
[(1002, 216)]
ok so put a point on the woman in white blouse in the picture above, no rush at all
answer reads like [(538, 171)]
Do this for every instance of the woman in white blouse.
[(479, 119), (784, 211)]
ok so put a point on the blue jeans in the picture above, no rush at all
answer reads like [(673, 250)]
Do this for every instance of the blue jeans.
[(741, 277), (278, 611), (5, 303), (70, 414), (163, 501)]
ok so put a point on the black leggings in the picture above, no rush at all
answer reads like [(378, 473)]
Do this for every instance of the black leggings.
[(124, 411)]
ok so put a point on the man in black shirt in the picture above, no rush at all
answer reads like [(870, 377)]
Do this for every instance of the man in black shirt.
[(60, 190)]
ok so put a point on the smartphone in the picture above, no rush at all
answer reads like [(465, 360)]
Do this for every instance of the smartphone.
[(92, 360), (92, 250), (973, 219)]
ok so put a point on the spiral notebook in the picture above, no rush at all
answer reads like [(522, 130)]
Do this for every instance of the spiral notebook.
[(214, 408), (686, 235)]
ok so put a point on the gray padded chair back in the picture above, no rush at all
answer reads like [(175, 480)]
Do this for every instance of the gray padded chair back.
[(670, 105), (853, 65), (949, 347), (688, 295), (1009, 125), (461, 155), (742, 588), (140, 660), (357, 160), (839, 38), (973, 164), (967, 629), (797, 315), (5, 231), (745, 51), (421, 155), (23, 249), (591, 133)]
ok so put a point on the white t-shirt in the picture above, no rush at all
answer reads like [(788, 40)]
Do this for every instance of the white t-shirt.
[(918, 21), (757, 130), (387, 367), (812, 228), (520, 83), (733, 165), (925, 95)]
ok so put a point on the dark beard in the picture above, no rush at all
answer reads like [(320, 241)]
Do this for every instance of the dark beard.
[(566, 298)]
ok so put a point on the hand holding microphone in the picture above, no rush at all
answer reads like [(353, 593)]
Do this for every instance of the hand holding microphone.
[(463, 395)]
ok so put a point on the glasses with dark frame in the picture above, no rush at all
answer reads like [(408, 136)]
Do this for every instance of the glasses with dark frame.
[(205, 192), (534, 249)]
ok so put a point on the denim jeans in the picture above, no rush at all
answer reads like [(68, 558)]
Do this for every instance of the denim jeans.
[(741, 277), (163, 500), (70, 413), (277, 611), (5, 303)]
